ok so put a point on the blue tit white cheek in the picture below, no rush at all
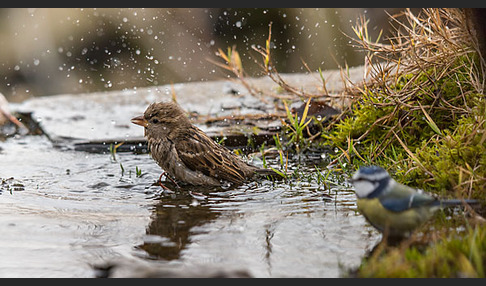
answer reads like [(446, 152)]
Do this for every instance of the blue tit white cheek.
[(364, 188)]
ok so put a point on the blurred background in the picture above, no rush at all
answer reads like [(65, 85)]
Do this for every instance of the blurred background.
[(47, 51)]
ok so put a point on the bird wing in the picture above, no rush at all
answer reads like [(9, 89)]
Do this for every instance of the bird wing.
[(404, 198), (201, 153)]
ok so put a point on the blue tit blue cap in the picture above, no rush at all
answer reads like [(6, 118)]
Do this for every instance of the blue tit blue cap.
[(369, 170)]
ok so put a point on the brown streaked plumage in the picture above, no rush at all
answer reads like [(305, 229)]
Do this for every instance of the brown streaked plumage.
[(186, 153)]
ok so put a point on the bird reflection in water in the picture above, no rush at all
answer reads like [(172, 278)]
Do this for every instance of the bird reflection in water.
[(172, 225)]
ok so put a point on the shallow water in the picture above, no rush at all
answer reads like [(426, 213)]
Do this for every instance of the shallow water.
[(67, 213)]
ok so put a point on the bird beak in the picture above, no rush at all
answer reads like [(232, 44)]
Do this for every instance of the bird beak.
[(140, 120)]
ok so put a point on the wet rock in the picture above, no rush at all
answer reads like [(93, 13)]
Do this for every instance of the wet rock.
[(319, 109)]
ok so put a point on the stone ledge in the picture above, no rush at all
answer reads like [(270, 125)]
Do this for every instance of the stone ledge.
[(105, 116)]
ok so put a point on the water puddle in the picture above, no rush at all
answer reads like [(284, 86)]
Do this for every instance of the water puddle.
[(68, 213)]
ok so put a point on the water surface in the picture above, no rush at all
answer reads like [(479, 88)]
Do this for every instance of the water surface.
[(67, 213)]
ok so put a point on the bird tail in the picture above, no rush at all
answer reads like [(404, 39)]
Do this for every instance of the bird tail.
[(454, 202)]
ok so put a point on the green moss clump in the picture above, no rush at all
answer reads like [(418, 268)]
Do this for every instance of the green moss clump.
[(459, 256), (457, 160), (434, 140)]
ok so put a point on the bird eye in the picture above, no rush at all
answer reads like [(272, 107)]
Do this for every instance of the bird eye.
[(154, 121)]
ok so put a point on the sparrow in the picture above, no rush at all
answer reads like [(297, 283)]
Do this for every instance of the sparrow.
[(188, 154)]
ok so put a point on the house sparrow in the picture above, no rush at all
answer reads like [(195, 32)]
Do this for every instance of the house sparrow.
[(186, 153)]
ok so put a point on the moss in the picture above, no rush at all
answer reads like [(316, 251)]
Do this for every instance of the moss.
[(459, 256), (457, 159), (440, 130)]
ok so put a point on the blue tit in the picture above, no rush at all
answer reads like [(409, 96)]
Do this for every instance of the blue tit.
[(392, 207)]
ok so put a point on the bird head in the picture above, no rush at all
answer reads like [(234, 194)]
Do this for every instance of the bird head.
[(161, 119), (371, 181)]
